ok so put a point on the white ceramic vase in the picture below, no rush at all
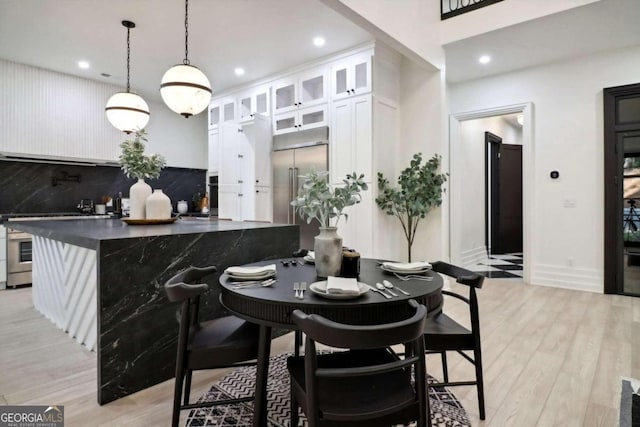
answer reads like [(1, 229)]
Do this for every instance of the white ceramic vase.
[(328, 252), (138, 194), (183, 207), (158, 205)]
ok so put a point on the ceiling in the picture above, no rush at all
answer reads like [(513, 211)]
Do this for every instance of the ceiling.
[(603, 25), (261, 36), (268, 36)]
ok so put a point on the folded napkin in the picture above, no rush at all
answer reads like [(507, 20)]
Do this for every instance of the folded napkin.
[(342, 285), (311, 255), (251, 271), (407, 266)]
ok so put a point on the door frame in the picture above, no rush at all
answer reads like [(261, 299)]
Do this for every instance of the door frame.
[(528, 173), (613, 246), (489, 140)]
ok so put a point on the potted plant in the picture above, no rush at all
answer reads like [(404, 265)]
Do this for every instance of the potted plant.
[(319, 200), (420, 190), (135, 164)]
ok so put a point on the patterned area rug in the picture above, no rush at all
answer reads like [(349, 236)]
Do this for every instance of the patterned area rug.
[(445, 408)]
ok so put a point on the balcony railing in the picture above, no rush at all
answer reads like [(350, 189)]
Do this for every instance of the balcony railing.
[(451, 8)]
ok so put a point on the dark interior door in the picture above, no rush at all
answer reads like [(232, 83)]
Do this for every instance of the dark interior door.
[(506, 198)]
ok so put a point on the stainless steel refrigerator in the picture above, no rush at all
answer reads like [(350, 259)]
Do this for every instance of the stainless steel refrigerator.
[(288, 165)]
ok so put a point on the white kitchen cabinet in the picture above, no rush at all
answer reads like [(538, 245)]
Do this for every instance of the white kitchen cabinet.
[(232, 151), (293, 121), (351, 77), (300, 91), (351, 139), (245, 163), (214, 151), (254, 101), (230, 202), (214, 114), (263, 204)]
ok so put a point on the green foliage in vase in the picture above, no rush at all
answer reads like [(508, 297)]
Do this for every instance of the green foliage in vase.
[(324, 202), (419, 191), (135, 163)]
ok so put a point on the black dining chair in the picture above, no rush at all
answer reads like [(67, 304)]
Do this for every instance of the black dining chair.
[(224, 342), (368, 385), (442, 333)]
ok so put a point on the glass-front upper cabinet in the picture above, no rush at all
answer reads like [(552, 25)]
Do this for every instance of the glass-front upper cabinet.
[(351, 76), (254, 101), (300, 91), (214, 115)]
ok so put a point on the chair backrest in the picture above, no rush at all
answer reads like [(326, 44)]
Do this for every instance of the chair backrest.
[(184, 288), (462, 275), (367, 341), (341, 335)]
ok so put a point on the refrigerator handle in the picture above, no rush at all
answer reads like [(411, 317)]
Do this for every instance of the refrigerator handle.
[(296, 171), (290, 220)]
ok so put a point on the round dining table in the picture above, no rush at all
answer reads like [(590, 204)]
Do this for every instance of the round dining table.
[(271, 306)]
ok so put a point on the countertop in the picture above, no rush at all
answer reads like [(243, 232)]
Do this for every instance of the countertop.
[(88, 233)]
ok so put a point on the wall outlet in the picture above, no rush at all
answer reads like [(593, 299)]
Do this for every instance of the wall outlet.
[(569, 202)]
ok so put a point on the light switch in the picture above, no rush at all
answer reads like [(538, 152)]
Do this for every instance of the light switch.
[(569, 202)]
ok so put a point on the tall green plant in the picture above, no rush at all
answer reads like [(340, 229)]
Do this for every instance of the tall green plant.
[(318, 199), (135, 163), (420, 190)]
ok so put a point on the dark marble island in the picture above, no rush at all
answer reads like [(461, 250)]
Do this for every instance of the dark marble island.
[(102, 282)]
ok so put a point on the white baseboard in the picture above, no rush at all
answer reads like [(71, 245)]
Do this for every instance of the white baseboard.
[(473, 256), (580, 279)]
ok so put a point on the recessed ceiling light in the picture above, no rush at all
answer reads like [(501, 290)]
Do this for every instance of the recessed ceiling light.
[(484, 59), (239, 71), (83, 64), (319, 41)]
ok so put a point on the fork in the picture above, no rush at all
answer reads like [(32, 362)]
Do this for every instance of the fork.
[(303, 287), (263, 284), (413, 277), (296, 289)]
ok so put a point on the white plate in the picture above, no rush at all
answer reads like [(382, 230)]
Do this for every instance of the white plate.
[(320, 289), (401, 272), (260, 276), (250, 271), (309, 260)]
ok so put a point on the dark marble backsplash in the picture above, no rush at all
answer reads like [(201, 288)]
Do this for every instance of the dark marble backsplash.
[(29, 187)]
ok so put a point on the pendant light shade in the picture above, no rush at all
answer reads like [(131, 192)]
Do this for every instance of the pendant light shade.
[(184, 88), (127, 111)]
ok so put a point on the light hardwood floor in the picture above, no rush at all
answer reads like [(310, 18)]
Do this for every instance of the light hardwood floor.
[(552, 357)]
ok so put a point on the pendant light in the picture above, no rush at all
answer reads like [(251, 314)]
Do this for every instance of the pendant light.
[(127, 111), (184, 88)]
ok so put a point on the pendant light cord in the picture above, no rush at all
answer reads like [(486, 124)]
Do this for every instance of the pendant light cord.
[(128, 57), (186, 33)]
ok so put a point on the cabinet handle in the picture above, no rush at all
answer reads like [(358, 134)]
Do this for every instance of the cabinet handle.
[(240, 156), (240, 181), (257, 180), (257, 191), (240, 130), (239, 194)]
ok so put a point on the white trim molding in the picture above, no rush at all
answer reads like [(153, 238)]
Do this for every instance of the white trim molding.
[(528, 174), (579, 279)]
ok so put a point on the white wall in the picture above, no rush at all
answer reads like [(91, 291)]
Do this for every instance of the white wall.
[(501, 15), (567, 243), (467, 186), (49, 114)]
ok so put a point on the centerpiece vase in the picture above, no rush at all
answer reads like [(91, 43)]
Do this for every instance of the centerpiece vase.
[(138, 194), (328, 252), (158, 205)]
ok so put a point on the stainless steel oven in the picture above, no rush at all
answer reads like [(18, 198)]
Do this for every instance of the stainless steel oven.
[(19, 253)]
